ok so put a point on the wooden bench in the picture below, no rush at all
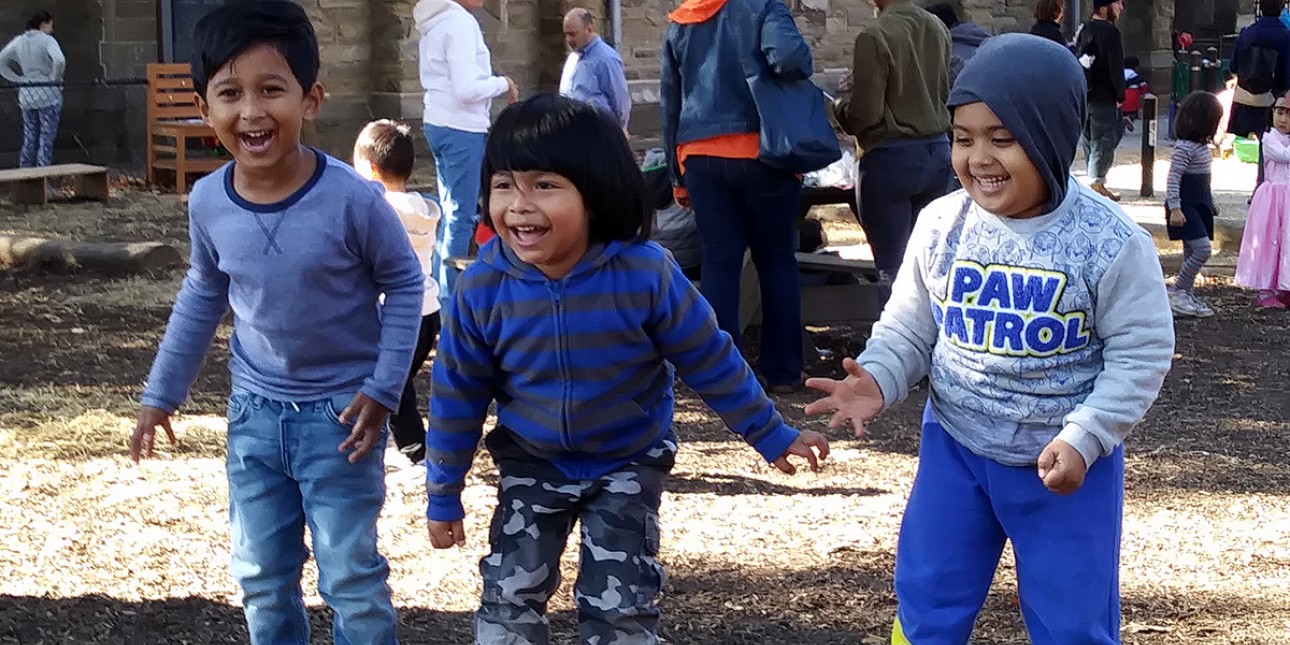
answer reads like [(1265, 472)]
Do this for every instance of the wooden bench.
[(173, 119), (31, 185)]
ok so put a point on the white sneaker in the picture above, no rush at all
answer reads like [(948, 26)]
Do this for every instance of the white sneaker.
[(411, 474), (1181, 305), (1202, 310)]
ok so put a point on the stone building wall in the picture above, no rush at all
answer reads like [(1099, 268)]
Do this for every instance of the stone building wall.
[(369, 55)]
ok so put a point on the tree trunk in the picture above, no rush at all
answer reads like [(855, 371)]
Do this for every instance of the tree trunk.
[(112, 258)]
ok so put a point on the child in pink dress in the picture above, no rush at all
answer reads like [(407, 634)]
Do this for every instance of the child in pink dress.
[(1264, 263)]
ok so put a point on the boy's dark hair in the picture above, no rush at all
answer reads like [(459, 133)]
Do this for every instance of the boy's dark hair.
[(1271, 8), (945, 11), (388, 147), (1131, 62), (233, 28), (1049, 10), (1198, 117), (39, 18), (581, 143)]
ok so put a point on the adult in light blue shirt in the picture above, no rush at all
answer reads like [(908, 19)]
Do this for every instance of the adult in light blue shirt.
[(593, 73)]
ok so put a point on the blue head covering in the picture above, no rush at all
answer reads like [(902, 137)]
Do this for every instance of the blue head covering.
[(1037, 89)]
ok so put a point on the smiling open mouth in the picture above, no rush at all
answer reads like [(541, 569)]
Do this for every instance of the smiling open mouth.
[(992, 185), (528, 235), (256, 142)]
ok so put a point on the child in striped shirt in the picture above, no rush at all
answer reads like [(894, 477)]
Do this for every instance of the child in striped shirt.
[(576, 325), (1189, 202)]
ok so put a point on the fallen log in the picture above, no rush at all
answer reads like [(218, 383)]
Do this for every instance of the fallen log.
[(112, 258)]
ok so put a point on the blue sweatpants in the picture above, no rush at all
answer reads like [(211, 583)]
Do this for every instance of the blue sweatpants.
[(962, 510)]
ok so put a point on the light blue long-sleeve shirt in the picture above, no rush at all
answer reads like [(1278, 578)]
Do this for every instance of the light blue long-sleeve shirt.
[(39, 61), (598, 78), (303, 278)]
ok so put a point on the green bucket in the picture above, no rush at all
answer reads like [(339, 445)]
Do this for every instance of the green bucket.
[(1247, 150)]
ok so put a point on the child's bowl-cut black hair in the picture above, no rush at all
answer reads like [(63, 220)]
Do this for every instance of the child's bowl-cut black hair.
[(233, 28), (579, 142), (1198, 117)]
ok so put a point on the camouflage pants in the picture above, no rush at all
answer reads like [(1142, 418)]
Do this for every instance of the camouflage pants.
[(618, 575)]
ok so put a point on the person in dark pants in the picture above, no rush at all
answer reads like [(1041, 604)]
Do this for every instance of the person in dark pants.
[(1100, 49), (896, 110), (710, 136), (1261, 62)]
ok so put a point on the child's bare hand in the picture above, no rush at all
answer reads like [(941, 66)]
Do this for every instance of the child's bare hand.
[(368, 418), (806, 445), (856, 399), (1177, 218), (145, 431), (1061, 467), (445, 535)]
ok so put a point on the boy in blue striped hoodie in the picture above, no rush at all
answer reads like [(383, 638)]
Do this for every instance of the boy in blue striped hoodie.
[(576, 326)]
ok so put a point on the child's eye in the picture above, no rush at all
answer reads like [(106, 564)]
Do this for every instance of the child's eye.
[(543, 184), (963, 142), (501, 184), (229, 93), (1003, 142), (273, 90)]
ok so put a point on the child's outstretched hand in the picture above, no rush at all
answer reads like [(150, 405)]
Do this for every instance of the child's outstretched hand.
[(856, 398), (806, 445), (145, 431), (1061, 467), (1177, 218), (445, 535), (368, 418)]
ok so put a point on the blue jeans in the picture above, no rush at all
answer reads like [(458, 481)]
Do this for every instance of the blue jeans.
[(39, 127), (897, 180), (284, 472), (1067, 546), (458, 157), (742, 204), (1103, 129)]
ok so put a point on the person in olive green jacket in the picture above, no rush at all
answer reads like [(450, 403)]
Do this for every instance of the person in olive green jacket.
[(896, 109)]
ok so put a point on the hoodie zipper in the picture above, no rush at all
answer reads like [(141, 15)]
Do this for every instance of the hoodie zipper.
[(566, 387)]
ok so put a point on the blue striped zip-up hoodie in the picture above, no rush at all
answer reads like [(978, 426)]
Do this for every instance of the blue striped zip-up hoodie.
[(582, 368)]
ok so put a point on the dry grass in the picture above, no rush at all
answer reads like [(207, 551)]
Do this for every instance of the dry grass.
[(97, 550)]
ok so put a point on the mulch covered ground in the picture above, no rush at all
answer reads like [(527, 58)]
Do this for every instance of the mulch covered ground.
[(96, 550)]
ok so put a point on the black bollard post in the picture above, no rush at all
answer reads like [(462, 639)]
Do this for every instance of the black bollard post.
[(1196, 82), (1215, 82), (1149, 128)]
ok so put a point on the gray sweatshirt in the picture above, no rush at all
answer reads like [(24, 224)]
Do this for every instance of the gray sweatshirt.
[(40, 60), (1034, 329)]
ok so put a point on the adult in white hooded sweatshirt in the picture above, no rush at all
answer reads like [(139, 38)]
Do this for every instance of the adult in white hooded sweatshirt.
[(35, 61), (457, 76)]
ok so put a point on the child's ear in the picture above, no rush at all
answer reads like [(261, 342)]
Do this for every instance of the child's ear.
[(314, 100), (204, 109)]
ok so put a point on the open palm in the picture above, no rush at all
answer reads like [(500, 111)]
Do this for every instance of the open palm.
[(857, 398)]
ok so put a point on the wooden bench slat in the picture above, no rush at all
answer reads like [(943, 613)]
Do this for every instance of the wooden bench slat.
[(171, 83), (31, 185), (161, 113), (45, 172)]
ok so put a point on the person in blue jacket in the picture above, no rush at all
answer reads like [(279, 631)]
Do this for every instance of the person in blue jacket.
[(710, 136)]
